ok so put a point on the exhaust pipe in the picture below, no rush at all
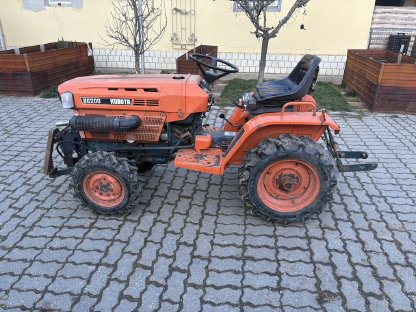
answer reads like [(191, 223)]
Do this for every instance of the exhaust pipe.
[(104, 124)]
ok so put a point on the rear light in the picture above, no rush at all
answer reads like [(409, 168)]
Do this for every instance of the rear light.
[(67, 100)]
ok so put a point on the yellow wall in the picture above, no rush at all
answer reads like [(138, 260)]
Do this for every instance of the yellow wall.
[(333, 26)]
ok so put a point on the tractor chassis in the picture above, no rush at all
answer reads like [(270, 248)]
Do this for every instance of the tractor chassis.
[(71, 148)]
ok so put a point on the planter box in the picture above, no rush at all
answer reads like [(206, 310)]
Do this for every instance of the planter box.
[(381, 83), (39, 67), (186, 66)]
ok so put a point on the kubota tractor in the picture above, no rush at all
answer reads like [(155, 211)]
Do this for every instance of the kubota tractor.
[(123, 125)]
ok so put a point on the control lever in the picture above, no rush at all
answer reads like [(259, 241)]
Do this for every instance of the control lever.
[(222, 116)]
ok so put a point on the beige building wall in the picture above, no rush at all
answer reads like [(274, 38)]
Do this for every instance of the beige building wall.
[(332, 27)]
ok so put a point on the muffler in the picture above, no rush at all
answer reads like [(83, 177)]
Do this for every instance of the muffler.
[(104, 124)]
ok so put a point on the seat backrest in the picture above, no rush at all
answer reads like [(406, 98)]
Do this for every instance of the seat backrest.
[(293, 87), (306, 67)]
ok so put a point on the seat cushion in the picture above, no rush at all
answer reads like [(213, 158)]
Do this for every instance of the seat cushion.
[(291, 88), (274, 88)]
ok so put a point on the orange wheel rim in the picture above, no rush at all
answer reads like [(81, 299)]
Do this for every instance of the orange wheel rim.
[(288, 186), (104, 189)]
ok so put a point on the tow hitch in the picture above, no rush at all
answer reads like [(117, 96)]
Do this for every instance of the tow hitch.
[(338, 155)]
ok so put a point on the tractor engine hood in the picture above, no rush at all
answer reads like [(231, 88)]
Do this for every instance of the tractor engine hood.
[(164, 93)]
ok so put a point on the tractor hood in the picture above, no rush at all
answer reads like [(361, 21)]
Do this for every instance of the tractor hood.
[(166, 93)]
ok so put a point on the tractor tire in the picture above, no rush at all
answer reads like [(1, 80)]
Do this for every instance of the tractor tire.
[(144, 166), (287, 179), (106, 183)]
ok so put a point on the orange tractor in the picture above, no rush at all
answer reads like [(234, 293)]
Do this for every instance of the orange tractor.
[(124, 125)]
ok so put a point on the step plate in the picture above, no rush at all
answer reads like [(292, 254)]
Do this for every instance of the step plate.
[(208, 161)]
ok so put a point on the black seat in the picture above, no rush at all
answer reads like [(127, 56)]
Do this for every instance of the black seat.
[(292, 88)]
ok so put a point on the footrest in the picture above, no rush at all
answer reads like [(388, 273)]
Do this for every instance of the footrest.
[(208, 161)]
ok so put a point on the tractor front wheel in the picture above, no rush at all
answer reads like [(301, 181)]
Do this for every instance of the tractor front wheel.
[(106, 183), (287, 179)]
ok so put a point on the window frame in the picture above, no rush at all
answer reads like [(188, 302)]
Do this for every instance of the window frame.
[(59, 3), (270, 8)]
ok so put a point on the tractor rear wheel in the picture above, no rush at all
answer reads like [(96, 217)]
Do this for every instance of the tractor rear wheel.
[(287, 179), (106, 183)]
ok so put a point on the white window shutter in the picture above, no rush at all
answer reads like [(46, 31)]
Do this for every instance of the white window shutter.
[(77, 4), (34, 5)]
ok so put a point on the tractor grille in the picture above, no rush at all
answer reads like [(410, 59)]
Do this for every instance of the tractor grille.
[(148, 132), (143, 102)]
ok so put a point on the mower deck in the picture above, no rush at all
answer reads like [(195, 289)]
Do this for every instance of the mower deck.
[(208, 161)]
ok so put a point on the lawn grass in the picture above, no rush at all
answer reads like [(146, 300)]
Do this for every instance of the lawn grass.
[(49, 93), (326, 94), (235, 90)]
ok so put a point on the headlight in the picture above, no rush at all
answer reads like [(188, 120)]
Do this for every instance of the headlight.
[(67, 100)]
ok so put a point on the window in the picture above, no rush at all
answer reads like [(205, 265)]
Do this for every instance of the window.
[(39, 5), (275, 6), (59, 2)]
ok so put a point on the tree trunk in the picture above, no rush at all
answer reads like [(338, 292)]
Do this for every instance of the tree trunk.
[(137, 62), (262, 65)]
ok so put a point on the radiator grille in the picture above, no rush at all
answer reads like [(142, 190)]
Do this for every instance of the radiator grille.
[(143, 102), (149, 130)]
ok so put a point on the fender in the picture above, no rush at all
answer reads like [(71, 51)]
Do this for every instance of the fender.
[(272, 125)]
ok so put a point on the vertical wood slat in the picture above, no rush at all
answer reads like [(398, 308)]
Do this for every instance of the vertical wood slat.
[(32, 71), (394, 90)]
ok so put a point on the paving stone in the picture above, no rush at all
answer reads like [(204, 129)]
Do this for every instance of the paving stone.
[(61, 302), (224, 279), (137, 283), (223, 295), (110, 297), (85, 304), (26, 299), (6, 281), (261, 297), (63, 285), (192, 299), (98, 281), (369, 282), (354, 300), (49, 269), (175, 287), (399, 300), (150, 298), (124, 267), (161, 270), (126, 306), (228, 264), (190, 244), (35, 283)]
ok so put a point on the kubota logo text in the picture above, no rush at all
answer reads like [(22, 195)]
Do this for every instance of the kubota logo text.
[(86, 100)]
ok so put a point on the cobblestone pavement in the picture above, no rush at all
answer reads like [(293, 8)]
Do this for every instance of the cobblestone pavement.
[(190, 245)]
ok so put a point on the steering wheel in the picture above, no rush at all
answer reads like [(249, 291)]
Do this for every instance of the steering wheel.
[(212, 74)]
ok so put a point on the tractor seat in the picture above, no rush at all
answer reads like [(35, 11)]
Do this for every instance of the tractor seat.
[(292, 88)]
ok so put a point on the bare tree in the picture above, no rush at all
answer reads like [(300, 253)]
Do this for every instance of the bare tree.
[(137, 25), (256, 11)]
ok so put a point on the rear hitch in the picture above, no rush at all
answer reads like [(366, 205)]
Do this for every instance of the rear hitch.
[(332, 147), (356, 167)]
